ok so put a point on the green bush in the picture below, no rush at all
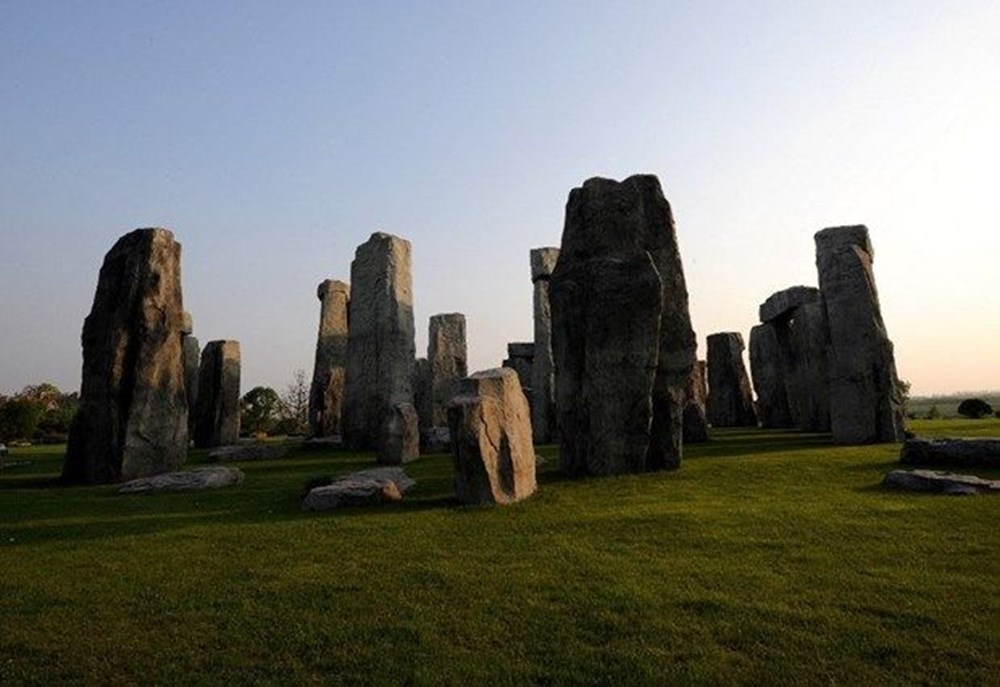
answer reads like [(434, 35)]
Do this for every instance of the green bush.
[(975, 408)]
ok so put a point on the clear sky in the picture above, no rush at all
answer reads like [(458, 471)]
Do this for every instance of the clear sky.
[(273, 138)]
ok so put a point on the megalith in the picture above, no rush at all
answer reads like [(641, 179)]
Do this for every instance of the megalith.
[(132, 418), (730, 400), (768, 360), (622, 341), (543, 389), (191, 353), (865, 405), (491, 439), (422, 397), (521, 359), (695, 419), (448, 360), (326, 394), (217, 411), (400, 440), (380, 340)]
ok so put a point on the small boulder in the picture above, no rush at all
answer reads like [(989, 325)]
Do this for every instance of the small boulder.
[(185, 480), (363, 488), (965, 453), (940, 482)]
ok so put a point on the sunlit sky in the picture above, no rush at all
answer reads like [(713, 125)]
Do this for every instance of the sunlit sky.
[(274, 138)]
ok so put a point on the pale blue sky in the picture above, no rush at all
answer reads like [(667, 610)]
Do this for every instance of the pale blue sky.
[(273, 138)]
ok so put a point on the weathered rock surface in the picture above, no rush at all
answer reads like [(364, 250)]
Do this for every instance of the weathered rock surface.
[(865, 405), (227, 454), (435, 440), (191, 352), (940, 482), (326, 394), (964, 453), (217, 412), (400, 442), (364, 488), (782, 304), (448, 360), (491, 439), (730, 400), (132, 419), (197, 479), (768, 357), (521, 359), (807, 368), (380, 344), (422, 394), (695, 420), (543, 380), (610, 230)]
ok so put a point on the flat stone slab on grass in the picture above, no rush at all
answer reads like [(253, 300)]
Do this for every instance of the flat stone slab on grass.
[(228, 454), (964, 453), (940, 482), (363, 488), (185, 480)]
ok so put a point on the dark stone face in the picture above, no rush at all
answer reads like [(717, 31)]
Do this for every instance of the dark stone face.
[(730, 400), (217, 410)]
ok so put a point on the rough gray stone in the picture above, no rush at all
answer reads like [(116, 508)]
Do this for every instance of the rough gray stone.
[(617, 225), (807, 370), (380, 345), (447, 357), (132, 418), (326, 394), (217, 412), (400, 442), (940, 482), (435, 440), (364, 488), (695, 417), (782, 304), (730, 400), (192, 357), (198, 479), (227, 454), (491, 439), (964, 453), (521, 358), (422, 396), (543, 393), (768, 358)]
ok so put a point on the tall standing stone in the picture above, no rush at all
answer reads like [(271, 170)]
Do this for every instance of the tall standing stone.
[(326, 394), (217, 411), (730, 400), (448, 360), (543, 380), (695, 414), (132, 419), (865, 405), (192, 354), (768, 363), (521, 359), (808, 367), (621, 331), (422, 396), (380, 343)]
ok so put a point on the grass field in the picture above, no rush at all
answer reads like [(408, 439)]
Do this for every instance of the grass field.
[(768, 558), (947, 404)]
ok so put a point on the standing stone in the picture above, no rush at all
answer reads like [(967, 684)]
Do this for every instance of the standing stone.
[(621, 331), (400, 440), (380, 345), (865, 405), (132, 419), (770, 378), (521, 359), (326, 395), (422, 397), (807, 367), (491, 439), (695, 416), (447, 356), (543, 380), (191, 353), (730, 400), (217, 413)]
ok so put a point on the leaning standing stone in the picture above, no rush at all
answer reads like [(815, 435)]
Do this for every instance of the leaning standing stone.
[(326, 394), (865, 405), (491, 439), (380, 345), (543, 380), (217, 412), (132, 419), (730, 400)]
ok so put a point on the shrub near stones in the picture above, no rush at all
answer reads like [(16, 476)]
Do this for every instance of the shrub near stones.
[(975, 408)]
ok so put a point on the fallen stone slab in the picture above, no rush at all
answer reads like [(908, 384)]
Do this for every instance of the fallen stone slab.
[(228, 454), (963, 453), (185, 480), (940, 482), (363, 488), (332, 441)]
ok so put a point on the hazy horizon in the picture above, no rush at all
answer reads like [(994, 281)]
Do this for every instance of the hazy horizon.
[(274, 140)]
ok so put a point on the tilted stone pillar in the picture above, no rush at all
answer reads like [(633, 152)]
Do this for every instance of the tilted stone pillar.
[(730, 400), (543, 379), (621, 331), (217, 411), (132, 418), (865, 405), (380, 342), (326, 395), (448, 360)]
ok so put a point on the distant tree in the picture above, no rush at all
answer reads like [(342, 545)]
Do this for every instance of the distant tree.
[(19, 419), (903, 391), (260, 409), (933, 413), (974, 408), (295, 401)]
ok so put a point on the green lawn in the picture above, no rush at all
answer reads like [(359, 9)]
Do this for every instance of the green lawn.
[(769, 558)]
